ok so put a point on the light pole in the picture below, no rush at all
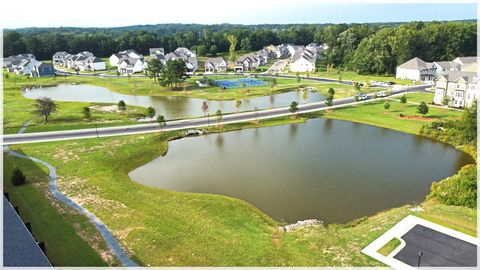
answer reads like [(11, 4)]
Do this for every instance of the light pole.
[(96, 129), (420, 254)]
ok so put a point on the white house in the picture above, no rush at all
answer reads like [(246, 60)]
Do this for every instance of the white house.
[(416, 70), (217, 64), (303, 61), (95, 63), (247, 62), (26, 67), (186, 55), (456, 89), (115, 58), (130, 65)]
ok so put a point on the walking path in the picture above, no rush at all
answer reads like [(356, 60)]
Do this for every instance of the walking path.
[(112, 242)]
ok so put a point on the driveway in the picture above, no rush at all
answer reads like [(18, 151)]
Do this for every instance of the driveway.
[(437, 249)]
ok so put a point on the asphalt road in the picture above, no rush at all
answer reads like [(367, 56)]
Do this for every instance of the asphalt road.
[(187, 123), (438, 249)]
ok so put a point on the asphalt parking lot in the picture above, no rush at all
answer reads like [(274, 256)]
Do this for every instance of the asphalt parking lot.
[(437, 249)]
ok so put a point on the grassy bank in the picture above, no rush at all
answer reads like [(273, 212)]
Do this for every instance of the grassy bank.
[(69, 237), (160, 227), (18, 109)]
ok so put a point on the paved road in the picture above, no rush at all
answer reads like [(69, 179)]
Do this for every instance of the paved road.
[(187, 123), (438, 249)]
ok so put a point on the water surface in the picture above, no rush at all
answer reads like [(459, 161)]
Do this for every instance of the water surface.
[(170, 107), (331, 170)]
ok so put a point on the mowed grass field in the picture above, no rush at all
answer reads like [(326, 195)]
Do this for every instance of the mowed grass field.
[(18, 109), (166, 228), (401, 117)]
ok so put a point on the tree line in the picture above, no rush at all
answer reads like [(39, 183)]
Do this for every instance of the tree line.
[(364, 48)]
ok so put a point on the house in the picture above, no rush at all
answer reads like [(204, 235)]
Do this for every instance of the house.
[(156, 51), (217, 64), (416, 70), (130, 65), (26, 67), (303, 61), (465, 60), (281, 51), (443, 67), (43, 69), (456, 89), (247, 62), (115, 58), (264, 56), (95, 63), (58, 57), (472, 67), (186, 55), (11, 63)]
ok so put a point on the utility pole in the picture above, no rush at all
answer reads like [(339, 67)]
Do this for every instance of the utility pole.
[(96, 129)]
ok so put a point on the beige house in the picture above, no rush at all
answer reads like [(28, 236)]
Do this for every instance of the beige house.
[(456, 89), (416, 69)]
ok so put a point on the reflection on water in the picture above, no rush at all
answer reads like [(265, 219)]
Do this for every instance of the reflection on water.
[(327, 169), (170, 107)]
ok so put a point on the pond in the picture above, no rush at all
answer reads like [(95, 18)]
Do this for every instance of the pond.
[(331, 170), (170, 107)]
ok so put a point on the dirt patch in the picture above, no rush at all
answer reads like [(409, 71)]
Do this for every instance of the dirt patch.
[(418, 118), (109, 108)]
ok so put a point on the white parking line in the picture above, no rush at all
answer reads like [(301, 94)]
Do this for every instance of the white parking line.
[(402, 228)]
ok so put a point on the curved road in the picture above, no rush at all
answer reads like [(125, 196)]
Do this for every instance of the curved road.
[(190, 123)]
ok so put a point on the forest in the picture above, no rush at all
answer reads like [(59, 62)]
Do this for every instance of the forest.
[(364, 48)]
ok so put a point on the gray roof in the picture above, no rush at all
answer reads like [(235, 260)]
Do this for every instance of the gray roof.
[(306, 54), (468, 59), (215, 60), (453, 76), (447, 64), (19, 247), (415, 63)]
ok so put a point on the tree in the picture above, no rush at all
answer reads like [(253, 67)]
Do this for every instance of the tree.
[(329, 97), (233, 40), (151, 112), (154, 69), (44, 107), (422, 108), (161, 120), (18, 178), (238, 102), (446, 101), (174, 72), (403, 99), (468, 123), (357, 86), (331, 91), (293, 107), (121, 105), (86, 113), (386, 105), (205, 108), (218, 114)]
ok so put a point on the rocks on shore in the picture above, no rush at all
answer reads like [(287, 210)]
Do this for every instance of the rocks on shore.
[(301, 224)]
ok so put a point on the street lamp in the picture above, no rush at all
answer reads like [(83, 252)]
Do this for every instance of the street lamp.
[(420, 254)]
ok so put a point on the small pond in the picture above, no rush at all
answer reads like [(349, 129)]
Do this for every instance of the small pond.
[(332, 170), (170, 107)]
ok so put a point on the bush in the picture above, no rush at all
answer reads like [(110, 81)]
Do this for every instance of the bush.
[(403, 99), (18, 178), (121, 105), (460, 189)]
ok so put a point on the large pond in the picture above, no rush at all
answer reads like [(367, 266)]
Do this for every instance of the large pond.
[(170, 107), (331, 170)]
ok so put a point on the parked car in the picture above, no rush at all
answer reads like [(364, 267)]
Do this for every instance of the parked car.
[(381, 94), (391, 83), (193, 132), (359, 97)]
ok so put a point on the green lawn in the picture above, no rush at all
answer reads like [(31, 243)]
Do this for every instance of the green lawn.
[(373, 113), (389, 247), (165, 228), (18, 109), (353, 76), (68, 236)]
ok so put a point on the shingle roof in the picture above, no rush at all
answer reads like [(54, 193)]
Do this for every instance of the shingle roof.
[(467, 59), (19, 247), (453, 76), (447, 64), (415, 63)]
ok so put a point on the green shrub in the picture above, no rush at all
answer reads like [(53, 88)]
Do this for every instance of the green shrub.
[(18, 178), (460, 189)]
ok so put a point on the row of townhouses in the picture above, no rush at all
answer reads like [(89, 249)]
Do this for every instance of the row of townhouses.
[(26, 64), (83, 61), (455, 82)]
